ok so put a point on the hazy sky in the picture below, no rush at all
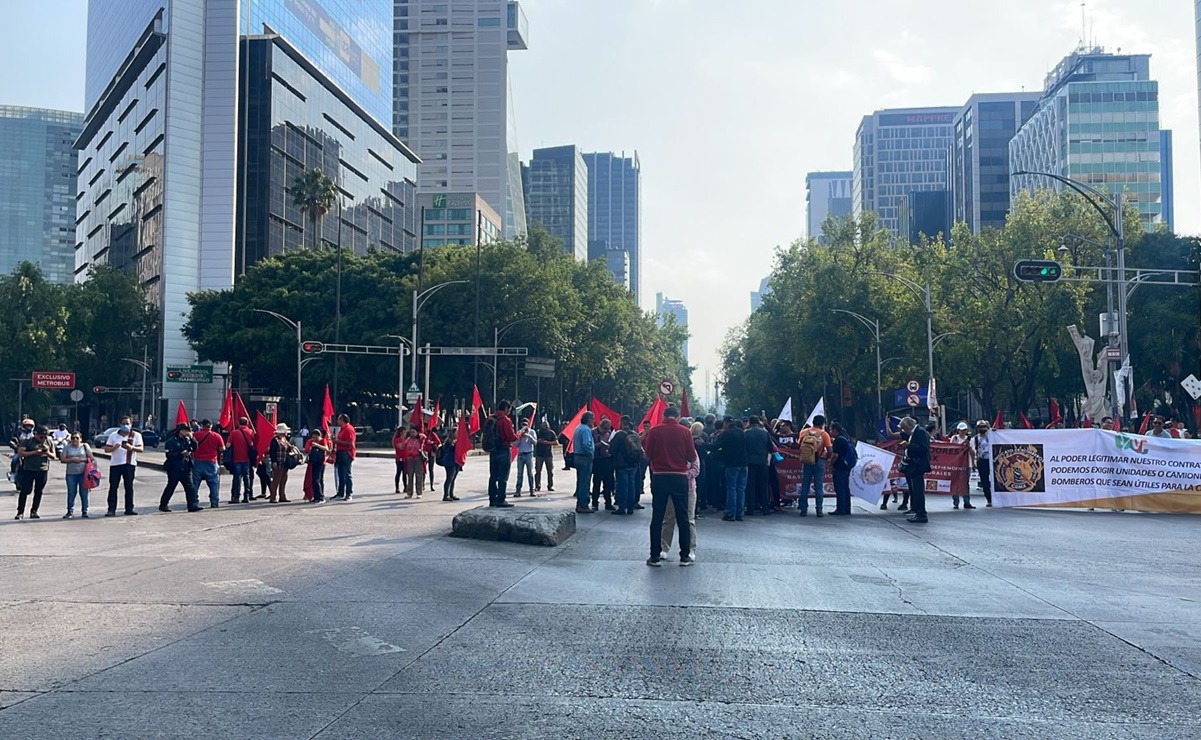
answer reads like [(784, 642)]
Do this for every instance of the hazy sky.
[(730, 104)]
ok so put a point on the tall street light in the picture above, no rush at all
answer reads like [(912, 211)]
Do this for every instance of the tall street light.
[(923, 294), (400, 376), (497, 335), (874, 325), (295, 326), (144, 364), (419, 301)]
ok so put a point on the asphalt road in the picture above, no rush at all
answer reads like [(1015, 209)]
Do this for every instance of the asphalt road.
[(364, 620)]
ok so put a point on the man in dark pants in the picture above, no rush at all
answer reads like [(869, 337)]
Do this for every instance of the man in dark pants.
[(758, 459), (499, 460), (602, 465), (982, 447), (178, 466), (844, 458), (345, 449), (123, 445), (35, 454), (915, 465), (669, 451)]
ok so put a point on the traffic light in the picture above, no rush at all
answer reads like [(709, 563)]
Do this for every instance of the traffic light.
[(174, 375), (313, 348), (97, 389), (1038, 271)]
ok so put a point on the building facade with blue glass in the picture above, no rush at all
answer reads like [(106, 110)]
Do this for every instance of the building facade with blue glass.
[(979, 160), (615, 211), (37, 190), (556, 196)]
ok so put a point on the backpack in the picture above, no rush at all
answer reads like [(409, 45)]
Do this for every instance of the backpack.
[(633, 447), (849, 460), (488, 438), (810, 441)]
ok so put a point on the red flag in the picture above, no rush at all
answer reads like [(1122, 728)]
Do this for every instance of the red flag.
[(181, 414), (473, 423), (327, 412), (1023, 422), (601, 411), (569, 430), (684, 403), (462, 443), (999, 422), (240, 411), (227, 410), (1142, 428), (654, 414), (264, 431), (1053, 410), (1197, 418), (436, 422), (1086, 423), (417, 416)]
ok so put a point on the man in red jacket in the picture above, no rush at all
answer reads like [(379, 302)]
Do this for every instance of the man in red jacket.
[(241, 442), (498, 458), (669, 450)]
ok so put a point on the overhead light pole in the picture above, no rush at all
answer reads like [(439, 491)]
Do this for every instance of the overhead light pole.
[(874, 325), (419, 301), (295, 326), (497, 335)]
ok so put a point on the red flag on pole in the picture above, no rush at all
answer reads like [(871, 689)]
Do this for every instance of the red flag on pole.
[(181, 414), (264, 431), (1053, 410), (684, 412), (999, 422), (1086, 423), (436, 422), (240, 411), (569, 430), (1023, 422), (227, 410), (601, 411), (473, 423), (1142, 428), (417, 416), (654, 414), (327, 411), (462, 443)]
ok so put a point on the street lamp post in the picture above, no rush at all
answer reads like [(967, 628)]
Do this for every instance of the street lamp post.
[(497, 335), (923, 294), (295, 326), (144, 364), (400, 376), (874, 325), (419, 301)]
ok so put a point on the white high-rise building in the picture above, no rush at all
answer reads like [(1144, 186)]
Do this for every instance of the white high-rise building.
[(453, 103), (827, 194)]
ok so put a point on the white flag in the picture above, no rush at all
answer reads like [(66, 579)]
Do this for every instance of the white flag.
[(786, 412), (820, 408), (932, 397), (870, 476)]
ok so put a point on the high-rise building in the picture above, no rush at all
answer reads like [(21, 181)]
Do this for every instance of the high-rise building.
[(1097, 122), (37, 190), (1167, 179), (458, 218), (979, 161), (898, 152), (617, 261), (757, 296), (665, 307), (827, 195), (556, 196), (926, 214), (453, 102), (615, 210), (189, 145)]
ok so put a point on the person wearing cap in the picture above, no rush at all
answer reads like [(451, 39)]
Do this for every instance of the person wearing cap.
[(123, 447), (24, 432), (982, 451), (209, 447), (279, 451), (180, 448), (36, 454), (962, 436)]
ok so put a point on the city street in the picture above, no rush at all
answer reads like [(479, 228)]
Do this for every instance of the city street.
[(365, 620)]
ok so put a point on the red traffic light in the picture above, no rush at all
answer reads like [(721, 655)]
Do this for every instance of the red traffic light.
[(312, 348), (174, 375), (98, 389)]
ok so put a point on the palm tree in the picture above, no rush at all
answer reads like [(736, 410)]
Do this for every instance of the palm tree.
[(314, 193)]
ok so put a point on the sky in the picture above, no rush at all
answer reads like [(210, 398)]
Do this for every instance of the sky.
[(729, 105)]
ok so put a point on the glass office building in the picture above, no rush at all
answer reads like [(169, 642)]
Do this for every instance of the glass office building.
[(463, 219), (827, 195), (555, 183), (1097, 122), (898, 152), (37, 190), (615, 211), (979, 161)]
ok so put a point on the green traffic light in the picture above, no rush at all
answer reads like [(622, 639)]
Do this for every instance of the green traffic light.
[(1044, 271)]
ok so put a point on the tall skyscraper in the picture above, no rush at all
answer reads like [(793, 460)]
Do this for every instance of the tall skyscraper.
[(453, 102), (827, 195), (617, 261), (1167, 179), (1097, 122), (37, 190), (615, 210), (898, 152), (665, 307), (556, 196), (200, 116), (979, 165), (757, 296)]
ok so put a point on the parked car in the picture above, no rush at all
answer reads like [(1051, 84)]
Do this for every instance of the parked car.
[(150, 438), (101, 439)]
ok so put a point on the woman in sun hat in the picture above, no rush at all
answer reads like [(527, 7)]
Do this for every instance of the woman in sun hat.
[(281, 448)]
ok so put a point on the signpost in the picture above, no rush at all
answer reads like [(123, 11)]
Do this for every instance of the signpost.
[(913, 386), (52, 379), (914, 400), (190, 374), (666, 387)]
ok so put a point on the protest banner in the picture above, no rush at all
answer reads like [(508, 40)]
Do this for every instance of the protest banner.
[(949, 468), (868, 479)]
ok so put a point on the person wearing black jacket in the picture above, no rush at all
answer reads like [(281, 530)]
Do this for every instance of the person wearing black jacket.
[(732, 449), (716, 469), (625, 465), (178, 466), (758, 458), (915, 465)]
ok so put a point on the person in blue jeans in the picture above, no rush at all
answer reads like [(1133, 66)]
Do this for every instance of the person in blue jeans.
[(76, 454), (814, 444), (731, 446), (582, 449), (627, 456)]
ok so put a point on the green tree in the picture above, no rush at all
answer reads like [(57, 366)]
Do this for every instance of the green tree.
[(314, 193)]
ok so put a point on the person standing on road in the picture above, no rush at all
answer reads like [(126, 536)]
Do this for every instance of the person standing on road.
[(669, 453), (914, 467), (758, 466), (544, 457), (345, 448), (36, 454), (241, 456), (400, 440), (981, 448), (414, 463), (583, 447), (526, 441), (627, 455), (642, 468), (76, 454), (429, 452), (209, 447), (179, 448), (732, 447), (963, 437), (448, 458), (318, 451), (123, 447), (279, 452), (25, 432), (813, 446), (669, 514), (602, 465), (843, 458), (499, 459)]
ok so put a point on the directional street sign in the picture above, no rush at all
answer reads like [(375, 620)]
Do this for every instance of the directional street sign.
[(540, 367), (50, 379), (900, 397), (189, 373)]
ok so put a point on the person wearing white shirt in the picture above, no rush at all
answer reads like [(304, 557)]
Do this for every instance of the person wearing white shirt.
[(982, 450), (123, 445)]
